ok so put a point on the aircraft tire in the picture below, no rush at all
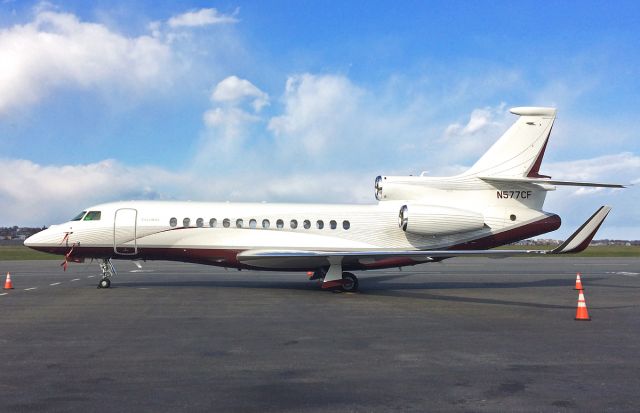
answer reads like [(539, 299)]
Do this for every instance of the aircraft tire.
[(349, 282), (104, 283)]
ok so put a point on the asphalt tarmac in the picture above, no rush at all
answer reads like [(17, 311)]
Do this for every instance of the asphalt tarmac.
[(463, 335)]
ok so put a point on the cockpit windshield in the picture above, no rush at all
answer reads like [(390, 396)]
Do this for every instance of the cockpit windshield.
[(79, 216), (92, 216)]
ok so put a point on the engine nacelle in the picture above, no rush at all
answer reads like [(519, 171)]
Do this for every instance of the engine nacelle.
[(438, 220)]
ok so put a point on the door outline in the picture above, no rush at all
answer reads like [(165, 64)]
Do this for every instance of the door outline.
[(119, 247)]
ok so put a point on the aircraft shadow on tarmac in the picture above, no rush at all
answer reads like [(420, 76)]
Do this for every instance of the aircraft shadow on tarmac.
[(378, 286), (367, 284)]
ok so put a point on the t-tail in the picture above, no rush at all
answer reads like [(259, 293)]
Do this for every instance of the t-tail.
[(519, 152), (516, 157), (513, 161)]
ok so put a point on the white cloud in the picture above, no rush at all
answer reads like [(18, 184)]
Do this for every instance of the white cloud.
[(234, 90), (58, 49), (34, 194), (318, 111), (202, 17), (607, 167), (479, 120), (467, 142), (574, 204), (233, 116), (228, 123)]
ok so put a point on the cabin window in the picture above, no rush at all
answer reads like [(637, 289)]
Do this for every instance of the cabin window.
[(307, 224), (79, 216), (512, 217), (173, 222), (346, 224), (333, 224), (92, 216), (265, 224), (226, 223), (280, 224), (199, 222), (252, 223), (293, 224), (186, 222), (239, 222), (213, 222), (319, 224)]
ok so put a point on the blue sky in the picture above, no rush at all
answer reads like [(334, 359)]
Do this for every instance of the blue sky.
[(306, 100)]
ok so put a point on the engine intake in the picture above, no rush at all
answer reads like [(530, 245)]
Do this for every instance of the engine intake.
[(438, 220)]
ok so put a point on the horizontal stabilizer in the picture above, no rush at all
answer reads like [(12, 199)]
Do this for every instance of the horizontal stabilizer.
[(499, 179), (583, 236)]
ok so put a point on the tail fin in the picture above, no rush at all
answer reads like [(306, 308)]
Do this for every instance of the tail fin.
[(518, 153)]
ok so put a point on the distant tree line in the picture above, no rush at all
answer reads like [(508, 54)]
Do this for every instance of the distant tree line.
[(16, 232)]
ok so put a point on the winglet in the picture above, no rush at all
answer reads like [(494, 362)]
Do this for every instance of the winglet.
[(580, 239)]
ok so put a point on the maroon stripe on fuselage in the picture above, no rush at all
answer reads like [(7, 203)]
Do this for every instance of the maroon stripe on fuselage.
[(548, 224), (534, 172)]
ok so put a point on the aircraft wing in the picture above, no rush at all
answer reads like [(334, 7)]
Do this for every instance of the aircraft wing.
[(300, 259)]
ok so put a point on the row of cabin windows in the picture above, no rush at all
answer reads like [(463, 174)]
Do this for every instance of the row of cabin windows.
[(266, 224)]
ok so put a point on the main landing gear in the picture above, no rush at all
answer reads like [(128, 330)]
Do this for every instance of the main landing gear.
[(333, 280), (108, 271), (349, 282)]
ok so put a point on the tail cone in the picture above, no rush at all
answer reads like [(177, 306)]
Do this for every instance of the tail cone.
[(578, 283), (581, 312), (8, 285)]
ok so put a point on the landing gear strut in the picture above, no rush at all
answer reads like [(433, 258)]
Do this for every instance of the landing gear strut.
[(108, 271)]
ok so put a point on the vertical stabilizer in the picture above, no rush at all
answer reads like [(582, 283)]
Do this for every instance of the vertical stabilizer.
[(518, 153)]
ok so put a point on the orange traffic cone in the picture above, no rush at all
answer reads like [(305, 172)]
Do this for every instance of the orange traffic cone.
[(581, 311), (578, 283), (8, 285)]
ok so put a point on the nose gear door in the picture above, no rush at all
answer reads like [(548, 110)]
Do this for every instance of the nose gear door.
[(124, 231)]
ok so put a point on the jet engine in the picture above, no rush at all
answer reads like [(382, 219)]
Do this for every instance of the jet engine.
[(378, 187), (438, 220)]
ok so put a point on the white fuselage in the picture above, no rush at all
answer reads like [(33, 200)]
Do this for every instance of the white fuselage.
[(214, 233)]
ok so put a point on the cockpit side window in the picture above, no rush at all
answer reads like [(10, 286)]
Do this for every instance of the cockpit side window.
[(92, 216), (79, 216)]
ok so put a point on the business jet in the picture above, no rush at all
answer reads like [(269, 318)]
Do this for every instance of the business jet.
[(418, 219)]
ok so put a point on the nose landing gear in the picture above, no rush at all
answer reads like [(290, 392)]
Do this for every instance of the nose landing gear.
[(108, 271)]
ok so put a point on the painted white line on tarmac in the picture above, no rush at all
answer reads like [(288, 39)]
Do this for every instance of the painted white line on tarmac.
[(29, 289), (601, 265), (55, 283), (4, 293), (75, 279), (90, 276)]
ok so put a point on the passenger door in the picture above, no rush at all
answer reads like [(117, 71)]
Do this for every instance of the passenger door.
[(124, 231)]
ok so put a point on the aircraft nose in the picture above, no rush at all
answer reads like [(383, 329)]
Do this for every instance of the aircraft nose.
[(38, 239), (31, 241)]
